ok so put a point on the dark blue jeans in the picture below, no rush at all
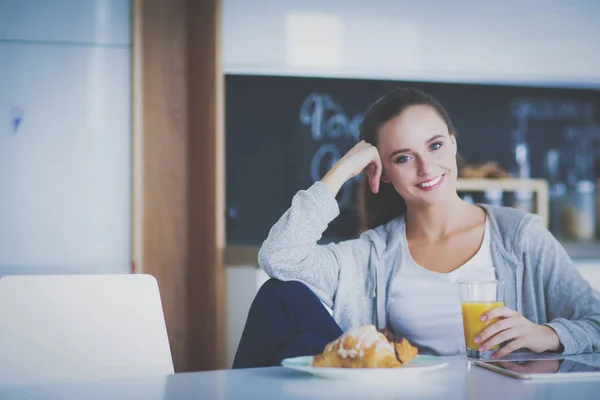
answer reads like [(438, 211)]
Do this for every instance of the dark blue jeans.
[(286, 319)]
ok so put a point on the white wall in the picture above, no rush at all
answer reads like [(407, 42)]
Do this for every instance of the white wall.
[(533, 42), (65, 183), (241, 285)]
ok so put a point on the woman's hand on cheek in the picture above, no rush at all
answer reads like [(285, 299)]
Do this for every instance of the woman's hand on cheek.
[(518, 330), (362, 157)]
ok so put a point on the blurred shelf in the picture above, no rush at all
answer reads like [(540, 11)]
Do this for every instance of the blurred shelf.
[(582, 250), (508, 184), (241, 255), (248, 255), (538, 186)]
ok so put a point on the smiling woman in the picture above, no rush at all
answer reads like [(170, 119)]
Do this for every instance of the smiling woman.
[(421, 239), (417, 144)]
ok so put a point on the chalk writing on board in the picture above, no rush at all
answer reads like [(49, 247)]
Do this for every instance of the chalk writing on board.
[(327, 121), (326, 118)]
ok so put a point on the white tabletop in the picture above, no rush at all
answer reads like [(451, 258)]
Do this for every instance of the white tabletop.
[(459, 380)]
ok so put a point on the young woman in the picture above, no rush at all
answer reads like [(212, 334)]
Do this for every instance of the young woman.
[(421, 239)]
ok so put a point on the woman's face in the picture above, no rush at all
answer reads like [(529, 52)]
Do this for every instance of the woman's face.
[(419, 156)]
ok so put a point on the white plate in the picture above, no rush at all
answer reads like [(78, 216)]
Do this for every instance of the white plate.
[(416, 366)]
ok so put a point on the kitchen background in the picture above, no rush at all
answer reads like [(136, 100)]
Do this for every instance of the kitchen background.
[(520, 79), (304, 125)]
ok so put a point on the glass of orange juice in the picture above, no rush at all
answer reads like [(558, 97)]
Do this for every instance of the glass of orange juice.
[(477, 298)]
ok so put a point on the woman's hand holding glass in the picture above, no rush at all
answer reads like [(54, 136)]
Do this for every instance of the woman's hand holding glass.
[(517, 329)]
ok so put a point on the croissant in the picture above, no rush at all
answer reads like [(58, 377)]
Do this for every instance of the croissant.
[(366, 347)]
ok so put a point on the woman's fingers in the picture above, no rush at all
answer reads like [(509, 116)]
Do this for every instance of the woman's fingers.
[(494, 329), (373, 168), (371, 176), (499, 312), (377, 170), (509, 348), (356, 161), (499, 338)]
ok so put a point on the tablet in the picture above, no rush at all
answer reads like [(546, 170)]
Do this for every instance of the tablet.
[(542, 369)]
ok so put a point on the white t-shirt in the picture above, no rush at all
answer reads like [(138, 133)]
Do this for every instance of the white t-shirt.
[(424, 306)]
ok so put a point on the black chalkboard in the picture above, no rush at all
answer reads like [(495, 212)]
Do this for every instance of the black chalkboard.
[(282, 134)]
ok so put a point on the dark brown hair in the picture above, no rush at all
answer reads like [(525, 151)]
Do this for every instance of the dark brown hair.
[(377, 209)]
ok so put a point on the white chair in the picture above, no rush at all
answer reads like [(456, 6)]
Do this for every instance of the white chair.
[(68, 328)]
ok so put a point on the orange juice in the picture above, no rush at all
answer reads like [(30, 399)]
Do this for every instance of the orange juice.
[(471, 314)]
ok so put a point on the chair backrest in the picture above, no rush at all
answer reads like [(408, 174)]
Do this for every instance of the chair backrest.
[(69, 328)]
